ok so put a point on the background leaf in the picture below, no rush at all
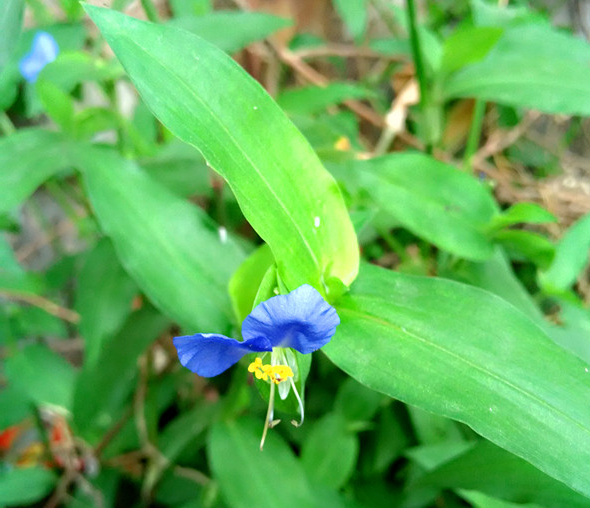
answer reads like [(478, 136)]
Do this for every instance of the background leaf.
[(330, 451), (246, 281), (485, 467), (496, 276), (21, 486), (468, 45), (522, 212), (11, 16), (354, 15), (169, 246), (104, 297), (232, 31), (275, 476), (104, 383), (27, 159), (433, 200), (43, 375), (14, 406), (532, 66), (313, 99), (571, 256), (12, 275)]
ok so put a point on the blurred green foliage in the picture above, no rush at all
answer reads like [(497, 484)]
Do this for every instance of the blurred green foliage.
[(151, 187)]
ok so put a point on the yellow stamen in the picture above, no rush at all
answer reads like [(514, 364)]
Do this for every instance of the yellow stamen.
[(276, 373)]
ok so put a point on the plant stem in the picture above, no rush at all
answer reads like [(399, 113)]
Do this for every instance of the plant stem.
[(393, 244), (419, 64), (150, 11), (6, 125), (417, 51), (479, 110)]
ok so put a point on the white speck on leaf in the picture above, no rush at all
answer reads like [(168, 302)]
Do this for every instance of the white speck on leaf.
[(491, 410), (255, 107), (222, 234), (316, 222), (586, 369)]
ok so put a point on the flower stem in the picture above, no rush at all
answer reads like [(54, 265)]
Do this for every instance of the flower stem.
[(150, 11), (423, 83), (269, 414), (301, 409), (474, 133), (417, 52)]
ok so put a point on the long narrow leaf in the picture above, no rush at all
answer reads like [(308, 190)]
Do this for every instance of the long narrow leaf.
[(166, 244), (463, 353), (207, 100)]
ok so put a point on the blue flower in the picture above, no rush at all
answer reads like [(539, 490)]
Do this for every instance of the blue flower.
[(43, 51), (301, 320)]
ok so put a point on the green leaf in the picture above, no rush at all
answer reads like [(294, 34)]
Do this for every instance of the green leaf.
[(190, 7), (23, 486), (354, 15), (356, 402), (207, 100), (11, 18), (232, 31), (167, 245), (104, 384), (468, 45), (574, 334), (28, 158), (181, 168), (532, 66), (103, 299), (14, 406), (431, 456), (525, 245), (313, 99), (274, 476), (520, 213), (179, 433), (43, 375), (489, 14), (432, 429), (390, 440), (496, 276), (71, 68), (68, 37), (247, 279), (72, 8), (56, 103), (36, 322), (479, 500), (571, 256), (330, 451), (433, 200), (486, 467), (13, 276), (465, 354)]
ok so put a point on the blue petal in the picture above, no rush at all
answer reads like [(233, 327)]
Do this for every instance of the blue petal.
[(209, 354), (44, 50), (302, 320)]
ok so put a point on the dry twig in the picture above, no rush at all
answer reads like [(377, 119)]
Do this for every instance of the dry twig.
[(43, 303)]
